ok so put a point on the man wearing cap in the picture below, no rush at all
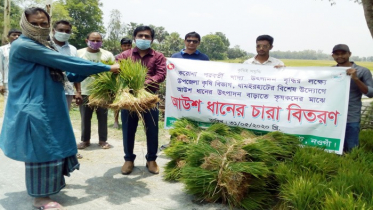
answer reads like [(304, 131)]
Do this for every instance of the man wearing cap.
[(264, 44), (361, 83)]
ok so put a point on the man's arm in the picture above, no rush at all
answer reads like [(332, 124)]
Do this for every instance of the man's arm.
[(78, 94), (160, 71), (365, 85)]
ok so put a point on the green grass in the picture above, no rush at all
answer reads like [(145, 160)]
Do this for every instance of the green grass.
[(299, 63)]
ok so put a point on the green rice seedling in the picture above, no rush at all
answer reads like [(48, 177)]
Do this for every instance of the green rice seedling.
[(366, 140), (102, 89), (349, 201), (257, 199), (304, 193), (354, 177), (172, 170), (316, 160), (220, 129), (232, 178), (362, 156)]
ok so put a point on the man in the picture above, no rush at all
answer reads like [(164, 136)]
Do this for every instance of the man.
[(192, 41), (125, 44), (264, 44), (61, 33), (94, 53), (37, 128), (156, 65), (361, 83), (4, 63)]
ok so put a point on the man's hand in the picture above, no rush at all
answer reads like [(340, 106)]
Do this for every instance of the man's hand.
[(2, 90), (115, 68), (78, 99), (353, 73), (279, 66)]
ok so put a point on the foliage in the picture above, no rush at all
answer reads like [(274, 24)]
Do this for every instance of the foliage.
[(223, 38), (15, 12), (86, 16), (213, 46), (173, 43), (115, 32), (236, 52)]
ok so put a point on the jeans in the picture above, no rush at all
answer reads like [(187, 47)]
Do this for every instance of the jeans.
[(351, 136), (130, 121), (86, 113)]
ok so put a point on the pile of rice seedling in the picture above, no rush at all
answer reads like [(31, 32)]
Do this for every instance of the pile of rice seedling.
[(226, 164), (124, 90), (233, 166)]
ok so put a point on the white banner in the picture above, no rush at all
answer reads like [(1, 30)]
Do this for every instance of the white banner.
[(310, 102)]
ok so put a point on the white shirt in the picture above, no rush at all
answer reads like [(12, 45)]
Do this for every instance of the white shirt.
[(270, 62), (94, 57), (67, 49), (4, 63)]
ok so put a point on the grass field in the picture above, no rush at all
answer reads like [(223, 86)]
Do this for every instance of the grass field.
[(294, 63)]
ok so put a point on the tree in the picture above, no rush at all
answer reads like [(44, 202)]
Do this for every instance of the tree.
[(236, 52), (131, 28), (214, 47), (160, 33), (15, 13), (223, 38), (172, 44), (86, 16), (116, 31)]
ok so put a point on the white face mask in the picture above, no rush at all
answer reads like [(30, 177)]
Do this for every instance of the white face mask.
[(61, 37)]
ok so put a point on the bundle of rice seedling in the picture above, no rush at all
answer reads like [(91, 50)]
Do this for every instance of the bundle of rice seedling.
[(103, 88), (132, 94), (124, 90)]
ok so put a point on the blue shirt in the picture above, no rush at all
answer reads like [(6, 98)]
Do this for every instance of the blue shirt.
[(37, 126), (197, 55)]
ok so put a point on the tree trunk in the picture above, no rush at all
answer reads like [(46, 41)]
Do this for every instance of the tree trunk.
[(4, 38), (368, 11)]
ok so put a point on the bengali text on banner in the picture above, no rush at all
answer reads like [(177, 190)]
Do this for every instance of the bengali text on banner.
[(309, 102)]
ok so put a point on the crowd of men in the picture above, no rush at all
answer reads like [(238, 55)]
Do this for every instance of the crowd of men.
[(38, 75)]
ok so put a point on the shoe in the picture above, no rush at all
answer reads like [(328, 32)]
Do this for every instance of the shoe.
[(127, 167), (152, 167), (83, 144), (50, 205), (104, 145)]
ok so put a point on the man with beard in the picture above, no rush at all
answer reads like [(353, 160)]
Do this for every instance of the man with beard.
[(37, 128), (361, 83)]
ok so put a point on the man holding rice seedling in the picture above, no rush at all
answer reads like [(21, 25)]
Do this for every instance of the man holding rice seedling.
[(37, 128), (4, 63), (62, 30), (264, 44), (192, 41), (361, 83), (156, 65), (93, 52)]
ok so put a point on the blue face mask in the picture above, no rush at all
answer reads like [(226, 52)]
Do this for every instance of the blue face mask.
[(143, 44)]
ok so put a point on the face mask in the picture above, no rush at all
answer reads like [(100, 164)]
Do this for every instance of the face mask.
[(143, 44), (94, 45), (61, 37)]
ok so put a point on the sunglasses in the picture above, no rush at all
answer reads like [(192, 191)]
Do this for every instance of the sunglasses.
[(192, 41)]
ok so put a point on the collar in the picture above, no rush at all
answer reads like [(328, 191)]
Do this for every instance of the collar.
[(196, 52), (150, 51), (269, 60)]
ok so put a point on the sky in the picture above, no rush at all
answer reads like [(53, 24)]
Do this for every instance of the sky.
[(295, 24)]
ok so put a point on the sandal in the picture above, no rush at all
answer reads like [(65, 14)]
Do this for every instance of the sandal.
[(79, 156), (83, 144), (104, 144), (51, 206)]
